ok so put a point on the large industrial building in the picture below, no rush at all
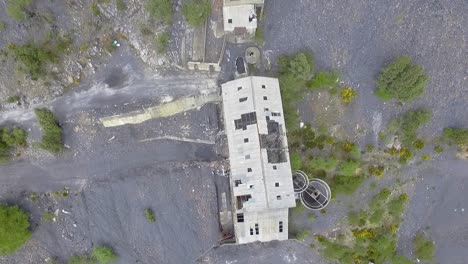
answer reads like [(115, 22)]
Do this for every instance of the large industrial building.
[(260, 172)]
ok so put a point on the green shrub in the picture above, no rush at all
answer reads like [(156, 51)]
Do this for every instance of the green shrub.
[(418, 144), (425, 157), (407, 125), (2, 26), (424, 249), (196, 12), (52, 137), (311, 217), (33, 59), (401, 260), (300, 65), (345, 184), (14, 228), (82, 259), (320, 163), (162, 42), (396, 206), (370, 148), (457, 135), (121, 6), (104, 254), (376, 170), (323, 79), (302, 235), (160, 9), (438, 149), (348, 94), (150, 215), (16, 138), (358, 218), (402, 80), (16, 9)]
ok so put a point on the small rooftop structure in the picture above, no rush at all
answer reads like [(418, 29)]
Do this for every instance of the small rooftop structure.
[(317, 195), (260, 171), (240, 18)]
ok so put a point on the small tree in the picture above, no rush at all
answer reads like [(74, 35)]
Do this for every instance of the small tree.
[(160, 9), (104, 254), (14, 228), (196, 12), (402, 80), (52, 138)]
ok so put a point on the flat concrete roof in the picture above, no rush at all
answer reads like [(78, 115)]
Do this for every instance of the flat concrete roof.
[(260, 171), (242, 2), (239, 16)]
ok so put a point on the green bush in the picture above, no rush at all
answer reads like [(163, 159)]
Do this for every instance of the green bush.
[(300, 66), (438, 149), (407, 125), (402, 80), (196, 12), (162, 42), (2, 26), (16, 9), (457, 135), (311, 217), (150, 215), (345, 184), (418, 144), (296, 161), (160, 9), (121, 6), (33, 59), (52, 137), (302, 235), (323, 79), (14, 228), (424, 249), (104, 254), (320, 163), (348, 94), (16, 138), (82, 259), (47, 217), (396, 206), (349, 168), (401, 260)]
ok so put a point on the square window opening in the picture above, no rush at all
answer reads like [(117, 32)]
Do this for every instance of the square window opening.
[(230, 21), (274, 167), (249, 169), (246, 140), (278, 197), (247, 157), (265, 98), (276, 184), (243, 99)]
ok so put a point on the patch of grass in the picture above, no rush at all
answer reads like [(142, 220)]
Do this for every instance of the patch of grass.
[(150, 215), (376, 170), (296, 161), (160, 9), (95, 9), (348, 94), (162, 42), (196, 12), (52, 137), (424, 249), (14, 228), (2, 26), (33, 58), (14, 138), (418, 144), (311, 218), (457, 135), (145, 31), (425, 157), (64, 194), (349, 168), (370, 148), (345, 184), (406, 125), (13, 99), (104, 254), (47, 217), (16, 9), (121, 5), (401, 80), (438, 149), (302, 235), (323, 79), (56, 194), (259, 37), (82, 259)]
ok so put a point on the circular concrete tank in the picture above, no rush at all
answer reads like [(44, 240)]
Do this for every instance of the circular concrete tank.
[(300, 181), (252, 55), (317, 195)]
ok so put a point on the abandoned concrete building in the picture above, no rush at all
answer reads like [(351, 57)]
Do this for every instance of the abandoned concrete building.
[(260, 172), (240, 18)]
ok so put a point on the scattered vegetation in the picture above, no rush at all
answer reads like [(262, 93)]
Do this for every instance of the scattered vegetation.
[(372, 231), (150, 215), (402, 80), (425, 157), (323, 79), (418, 144), (33, 58), (162, 42), (196, 12), (424, 249), (81, 259), (348, 94), (16, 9), (104, 254), (13, 99), (2, 26), (406, 125), (457, 135), (302, 235), (121, 6), (48, 217), (438, 149), (14, 228), (259, 36), (296, 161), (95, 9), (160, 9), (52, 137), (311, 218), (9, 140)]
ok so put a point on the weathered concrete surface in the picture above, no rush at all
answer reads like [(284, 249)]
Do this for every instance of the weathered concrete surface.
[(164, 110)]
